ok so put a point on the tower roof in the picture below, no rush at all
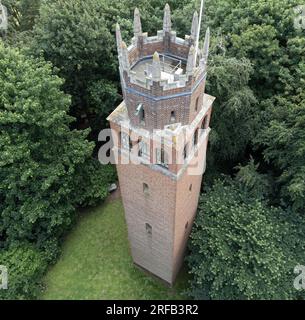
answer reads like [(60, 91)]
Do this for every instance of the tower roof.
[(163, 58)]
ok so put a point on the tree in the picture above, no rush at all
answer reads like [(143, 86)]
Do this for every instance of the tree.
[(283, 138), (73, 35), (241, 248), (22, 14), (257, 30), (41, 159), (234, 122)]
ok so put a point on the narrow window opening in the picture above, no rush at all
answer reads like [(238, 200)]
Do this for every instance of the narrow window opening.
[(145, 189), (162, 159), (142, 116), (148, 229), (140, 112), (205, 123), (185, 152), (191, 187), (173, 116), (197, 104), (196, 138), (120, 140), (186, 225)]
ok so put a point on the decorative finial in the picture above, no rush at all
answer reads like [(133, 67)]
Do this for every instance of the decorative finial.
[(206, 46), (125, 59), (156, 67), (137, 26), (195, 25), (118, 37), (191, 60), (167, 23)]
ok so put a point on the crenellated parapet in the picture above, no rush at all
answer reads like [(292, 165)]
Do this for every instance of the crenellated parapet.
[(163, 76), (176, 55)]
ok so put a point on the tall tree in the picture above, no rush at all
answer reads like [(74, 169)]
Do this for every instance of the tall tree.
[(73, 35), (40, 157), (241, 248), (234, 122), (284, 140), (22, 14)]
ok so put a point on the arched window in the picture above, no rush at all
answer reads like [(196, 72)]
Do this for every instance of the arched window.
[(140, 112), (145, 189), (148, 229)]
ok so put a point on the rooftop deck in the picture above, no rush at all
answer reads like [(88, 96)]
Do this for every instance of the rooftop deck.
[(171, 68)]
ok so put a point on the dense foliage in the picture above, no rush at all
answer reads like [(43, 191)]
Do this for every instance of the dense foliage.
[(73, 35), (45, 167), (263, 32), (257, 73), (241, 248)]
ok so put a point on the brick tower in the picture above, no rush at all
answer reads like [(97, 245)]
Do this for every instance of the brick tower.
[(160, 134)]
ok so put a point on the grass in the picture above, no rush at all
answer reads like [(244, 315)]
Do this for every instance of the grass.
[(96, 263)]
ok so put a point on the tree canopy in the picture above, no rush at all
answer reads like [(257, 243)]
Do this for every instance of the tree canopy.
[(44, 165), (241, 248)]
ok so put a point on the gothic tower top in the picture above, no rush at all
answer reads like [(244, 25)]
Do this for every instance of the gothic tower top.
[(163, 76), (165, 58)]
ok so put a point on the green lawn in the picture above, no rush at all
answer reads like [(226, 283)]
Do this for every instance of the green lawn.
[(96, 263)]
